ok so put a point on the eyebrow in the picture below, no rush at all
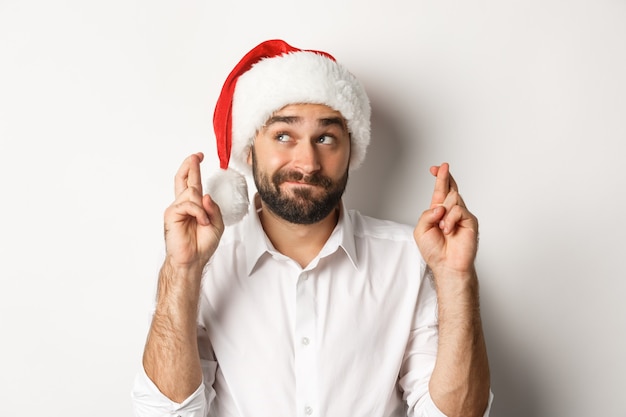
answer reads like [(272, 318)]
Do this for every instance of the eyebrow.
[(325, 121), (282, 119), (329, 121)]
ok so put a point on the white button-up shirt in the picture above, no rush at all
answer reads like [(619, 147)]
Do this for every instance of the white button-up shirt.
[(354, 333)]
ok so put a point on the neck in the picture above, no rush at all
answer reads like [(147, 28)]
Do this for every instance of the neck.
[(300, 242)]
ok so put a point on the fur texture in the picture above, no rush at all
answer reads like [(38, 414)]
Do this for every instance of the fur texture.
[(229, 189)]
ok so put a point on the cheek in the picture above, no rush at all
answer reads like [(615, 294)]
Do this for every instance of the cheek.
[(273, 163), (269, 162), (339, 164)]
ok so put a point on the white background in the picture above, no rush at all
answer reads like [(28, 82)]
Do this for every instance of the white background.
[(100, 101)]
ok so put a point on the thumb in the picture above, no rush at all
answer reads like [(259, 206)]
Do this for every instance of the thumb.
[(428, 220), (213, 211)]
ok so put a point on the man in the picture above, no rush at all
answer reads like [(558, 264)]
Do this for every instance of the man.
[(305, 308)]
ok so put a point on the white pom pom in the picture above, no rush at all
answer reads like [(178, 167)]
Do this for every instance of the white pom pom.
[(229, 189)]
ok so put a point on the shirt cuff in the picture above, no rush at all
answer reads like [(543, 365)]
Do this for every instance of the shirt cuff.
[(431, 410), (148, 401)]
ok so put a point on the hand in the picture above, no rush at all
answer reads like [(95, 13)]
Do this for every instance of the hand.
[(447, 233), (193, 223)]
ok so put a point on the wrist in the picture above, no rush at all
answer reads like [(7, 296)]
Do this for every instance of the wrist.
[(445, 276), (177, 271), (179, 284), (456, 285)]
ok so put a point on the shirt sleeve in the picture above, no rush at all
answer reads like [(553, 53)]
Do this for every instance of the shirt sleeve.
[(148, 401), (429, 409)]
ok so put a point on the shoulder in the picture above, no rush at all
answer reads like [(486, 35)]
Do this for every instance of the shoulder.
[(378, 229), (386, 247)]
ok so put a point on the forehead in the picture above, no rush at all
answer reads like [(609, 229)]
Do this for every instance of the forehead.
[(318, 111)]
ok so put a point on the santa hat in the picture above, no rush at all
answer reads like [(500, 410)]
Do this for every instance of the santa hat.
[(269, 77)]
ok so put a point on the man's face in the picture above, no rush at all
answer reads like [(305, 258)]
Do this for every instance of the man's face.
[(300, 162)]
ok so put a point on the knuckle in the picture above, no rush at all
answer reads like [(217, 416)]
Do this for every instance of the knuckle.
[(193, 189), (169, 210)]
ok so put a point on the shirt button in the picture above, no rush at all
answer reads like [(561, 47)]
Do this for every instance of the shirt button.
[(305, 341), (308, 410)]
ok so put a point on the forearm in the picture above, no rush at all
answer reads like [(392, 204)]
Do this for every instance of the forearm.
[(459, 385), (171, 358)]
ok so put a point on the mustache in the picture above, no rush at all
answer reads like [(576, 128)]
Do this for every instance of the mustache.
[(295, 176)]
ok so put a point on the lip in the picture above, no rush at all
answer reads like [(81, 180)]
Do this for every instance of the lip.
[(299, 184)]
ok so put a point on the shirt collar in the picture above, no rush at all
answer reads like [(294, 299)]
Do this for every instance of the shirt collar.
[(343, 237), (259, 245)]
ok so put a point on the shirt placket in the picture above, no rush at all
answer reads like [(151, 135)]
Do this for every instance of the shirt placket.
[(305, 347)]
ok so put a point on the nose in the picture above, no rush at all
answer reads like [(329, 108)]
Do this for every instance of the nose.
[(306, 157)]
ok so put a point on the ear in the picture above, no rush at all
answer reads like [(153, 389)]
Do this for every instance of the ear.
[(249, 157)]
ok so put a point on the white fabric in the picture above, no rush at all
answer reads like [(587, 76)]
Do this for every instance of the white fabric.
[(229, 189), (352, 334)]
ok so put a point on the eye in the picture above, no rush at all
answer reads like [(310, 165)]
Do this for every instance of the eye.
[(326, 140), (282, 137)]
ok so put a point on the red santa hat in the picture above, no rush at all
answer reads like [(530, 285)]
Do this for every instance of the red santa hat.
[(271, 76)]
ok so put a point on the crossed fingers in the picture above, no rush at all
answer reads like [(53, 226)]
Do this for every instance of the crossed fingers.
[(188, 189), (188, 181), (446, 189), (446, 195)]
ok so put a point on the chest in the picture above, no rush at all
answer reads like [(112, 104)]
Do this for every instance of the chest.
[(308, 329)]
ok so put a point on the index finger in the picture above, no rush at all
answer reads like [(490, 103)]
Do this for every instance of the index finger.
[(188, 174), (442, 184)]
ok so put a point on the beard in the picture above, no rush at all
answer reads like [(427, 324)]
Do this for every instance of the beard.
[(303, 207)]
